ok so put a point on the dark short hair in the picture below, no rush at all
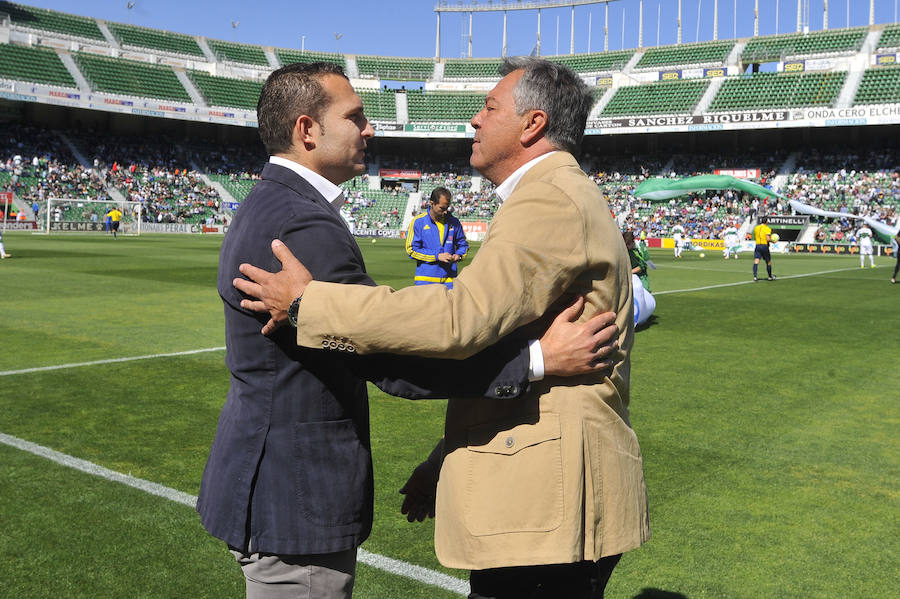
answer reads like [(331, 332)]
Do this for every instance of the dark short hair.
[(290, 92), (628, 237), (558, 91), (763, 220), (440, 192)]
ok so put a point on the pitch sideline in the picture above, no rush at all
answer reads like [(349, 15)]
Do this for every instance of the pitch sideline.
[(381, 562), (750, 282), (110, 361)]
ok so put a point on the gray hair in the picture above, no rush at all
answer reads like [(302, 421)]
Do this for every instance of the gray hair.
[(558, 91)]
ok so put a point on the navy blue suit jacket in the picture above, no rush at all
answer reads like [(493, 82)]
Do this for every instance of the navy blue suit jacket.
[(290, 469)]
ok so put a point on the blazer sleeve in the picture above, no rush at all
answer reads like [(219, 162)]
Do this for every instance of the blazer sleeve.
[(513, 280), (500, 371)]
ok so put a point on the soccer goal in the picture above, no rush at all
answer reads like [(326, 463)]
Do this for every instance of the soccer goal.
[(66, 215)]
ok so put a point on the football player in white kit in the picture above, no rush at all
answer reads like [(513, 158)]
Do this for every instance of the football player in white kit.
[(678, 234), (732, 243), (864, 239)]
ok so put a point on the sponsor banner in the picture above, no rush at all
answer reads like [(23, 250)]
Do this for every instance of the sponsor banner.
[(740, 173), (172, 108), (6, 86), (434, 128), (76, 226), (794, 66), (473, 227), (6, 196), (886, 59), (213, 229), (788, 221), (394, 173), (670, 75), (669, 243), (58, 94), (135, 56), (604, 82), (715, 72), (18, 97), (118, 102), (144, 112), (387, 126), (232, 205), (389, 233), (21, 225), (713, 118), (837, 248), (819, 64), (219, 113), (168, 228)]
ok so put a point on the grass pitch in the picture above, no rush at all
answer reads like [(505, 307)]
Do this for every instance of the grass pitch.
[(767, 414)]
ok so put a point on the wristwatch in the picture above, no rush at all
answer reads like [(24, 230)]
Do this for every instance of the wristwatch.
[(293, 309)]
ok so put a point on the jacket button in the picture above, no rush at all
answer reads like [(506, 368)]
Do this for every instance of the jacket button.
[(325, 343), (510, 442), (332, 345), (350, 348), (513, 390), (341, 346)]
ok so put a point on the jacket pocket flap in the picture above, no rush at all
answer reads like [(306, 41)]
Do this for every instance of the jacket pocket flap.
[(488, 439)]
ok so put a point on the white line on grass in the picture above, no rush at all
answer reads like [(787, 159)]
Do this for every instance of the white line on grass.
[(750, 282), (110, 361), (381, 562)]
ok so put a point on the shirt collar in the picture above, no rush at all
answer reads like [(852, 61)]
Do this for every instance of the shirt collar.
[(329, 190), (506, 188)]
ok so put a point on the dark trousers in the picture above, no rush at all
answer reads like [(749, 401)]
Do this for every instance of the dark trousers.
[(581, 580)]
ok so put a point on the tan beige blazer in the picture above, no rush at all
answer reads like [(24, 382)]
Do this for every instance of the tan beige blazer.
[(557, 476)]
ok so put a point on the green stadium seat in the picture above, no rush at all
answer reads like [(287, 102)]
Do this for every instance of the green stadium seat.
[(398, 69), (659, 97), (132, 78), (166, 41), (234, 52), (35, 65), (291, 56), (712, 53), (879, 85), (779, 47), (49, 20), (225, 91)]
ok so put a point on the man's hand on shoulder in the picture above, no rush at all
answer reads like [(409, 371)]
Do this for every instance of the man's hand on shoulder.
[(274, 292), (572, 348)]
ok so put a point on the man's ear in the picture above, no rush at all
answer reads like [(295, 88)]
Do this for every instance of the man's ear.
[(535, 127), (303, 131)]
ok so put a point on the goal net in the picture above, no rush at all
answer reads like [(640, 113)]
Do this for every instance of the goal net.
[(65, 215)]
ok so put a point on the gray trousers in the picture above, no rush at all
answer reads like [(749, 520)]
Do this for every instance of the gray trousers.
[(322, 576)]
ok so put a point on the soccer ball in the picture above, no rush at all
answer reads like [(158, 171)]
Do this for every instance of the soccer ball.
[(774, 237), (374, 240), (702, 255)]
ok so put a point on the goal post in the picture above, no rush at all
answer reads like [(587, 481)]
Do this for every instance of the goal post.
[(68, 215)]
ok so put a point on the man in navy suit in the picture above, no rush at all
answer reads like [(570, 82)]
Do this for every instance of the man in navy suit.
[(288, 484)]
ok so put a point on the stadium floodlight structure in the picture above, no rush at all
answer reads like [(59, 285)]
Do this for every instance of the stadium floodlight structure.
[(506, 6), (73, 215)]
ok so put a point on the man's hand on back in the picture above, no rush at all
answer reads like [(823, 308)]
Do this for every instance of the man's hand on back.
[(274, 291)]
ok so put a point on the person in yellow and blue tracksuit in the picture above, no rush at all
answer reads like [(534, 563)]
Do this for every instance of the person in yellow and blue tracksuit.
[(436, 241)]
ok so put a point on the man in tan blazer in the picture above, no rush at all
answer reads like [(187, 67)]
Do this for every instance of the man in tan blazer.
[(539, 497)]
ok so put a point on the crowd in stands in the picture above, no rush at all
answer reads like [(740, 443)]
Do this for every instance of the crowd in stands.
[(167, 176)]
